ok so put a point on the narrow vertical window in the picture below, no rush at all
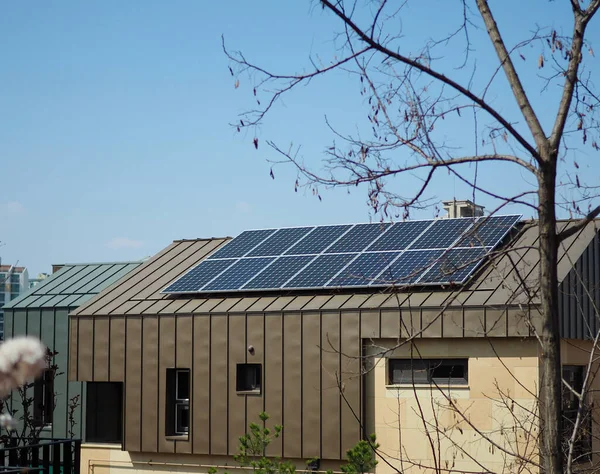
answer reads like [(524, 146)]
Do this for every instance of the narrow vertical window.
[(43, 398), (178, 402)]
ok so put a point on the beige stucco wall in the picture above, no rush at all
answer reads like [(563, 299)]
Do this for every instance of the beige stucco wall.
[(110, 459), (418, 428)]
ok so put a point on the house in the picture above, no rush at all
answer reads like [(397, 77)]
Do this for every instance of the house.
[(43, 312), (193, 357)]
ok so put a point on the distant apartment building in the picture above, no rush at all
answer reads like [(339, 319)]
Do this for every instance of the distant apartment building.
[(13, 282), (37, 280)]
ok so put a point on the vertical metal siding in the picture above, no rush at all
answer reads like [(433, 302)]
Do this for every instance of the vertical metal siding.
[(219, 368), (311, 384), (255, 328), (133, 383), (237, 403), (166, 360), (184, 353), (292, 385), (273, 373), (201, 383), (150, 384), (330, 393)]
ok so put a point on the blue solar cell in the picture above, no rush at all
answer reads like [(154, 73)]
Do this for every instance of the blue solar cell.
[(364, 270), (454, 266), (318, 240), (242, 244), (199, 276), (278, 273), (279, 242), (399, 236), (238, 274), (488, 231), (442, 234), (407, 269), (320, 271), (357, 238)]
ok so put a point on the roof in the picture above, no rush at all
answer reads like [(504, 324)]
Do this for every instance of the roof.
[(72, 285), (6, 268), (508, 278)]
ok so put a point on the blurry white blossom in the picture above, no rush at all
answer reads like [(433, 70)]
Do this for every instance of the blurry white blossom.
[(7, 422), (22, 359)]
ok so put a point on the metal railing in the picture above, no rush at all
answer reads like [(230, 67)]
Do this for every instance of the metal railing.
[(44, 456)]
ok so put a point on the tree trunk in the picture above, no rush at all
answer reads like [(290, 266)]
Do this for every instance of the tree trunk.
[(550, 365)]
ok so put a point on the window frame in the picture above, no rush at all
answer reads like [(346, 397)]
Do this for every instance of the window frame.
[(427, 368), (241, 379), (43, 394), (175, 405)]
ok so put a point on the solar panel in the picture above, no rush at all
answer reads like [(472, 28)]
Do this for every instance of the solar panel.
[(454, 265), (318, 240), (279, 272), (364, 269), (428, 252), (238, 274), (320, 271), (357, 238), (442, 233), (242, 244), (196, 278), (280, 241), (400, 235)]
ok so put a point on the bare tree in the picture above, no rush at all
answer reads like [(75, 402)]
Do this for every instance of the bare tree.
[(411, 96)]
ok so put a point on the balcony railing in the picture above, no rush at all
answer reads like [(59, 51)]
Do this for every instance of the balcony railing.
[(45, 456)]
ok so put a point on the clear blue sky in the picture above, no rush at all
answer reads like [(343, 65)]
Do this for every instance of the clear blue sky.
[(115, 135)]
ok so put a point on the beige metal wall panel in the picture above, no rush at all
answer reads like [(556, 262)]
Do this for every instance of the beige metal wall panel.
[(292, 385), (191, 305), (73, 348), (133, 384), (262, 303), (117, 348), (236, 408), (156, 307), (273, 376), (85, 355), (317, 302), (478, 298), (225, 305), (336, 302), (207, 305), (201, 384), (101, 348), (140, 308), (126, 307), (369, 324), (474, 322), (330, 404), (150, 382), (176, 267), (134, 282), (280, 303), (411, 321), (395, 300), (453, 323), (176, 306), (298, 303), (184, 352), (431, 321), (255, 336), (219, 385), (495, 322), (311, 384), (390, 323), (166, 361), (375, 301), (355, 302), (518, 322), (350, 376), (243, 305)]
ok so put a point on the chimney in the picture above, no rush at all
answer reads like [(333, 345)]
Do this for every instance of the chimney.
[(463, 208)]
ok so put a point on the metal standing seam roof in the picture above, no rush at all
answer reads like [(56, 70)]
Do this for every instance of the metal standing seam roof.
[(72, 285), (506, 279)]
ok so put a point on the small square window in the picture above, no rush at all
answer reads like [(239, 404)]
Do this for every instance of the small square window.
[(249, 378)]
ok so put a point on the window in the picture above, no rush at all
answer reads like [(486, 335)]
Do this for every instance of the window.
[(248, 378), (428, 371), (178, 402), (43, 398), (104, 412), (582, 450)]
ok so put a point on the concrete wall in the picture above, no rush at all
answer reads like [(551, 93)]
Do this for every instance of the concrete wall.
[(109, 459), (420, 427)]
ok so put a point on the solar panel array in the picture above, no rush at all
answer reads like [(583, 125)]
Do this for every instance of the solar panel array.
[(428, 252)]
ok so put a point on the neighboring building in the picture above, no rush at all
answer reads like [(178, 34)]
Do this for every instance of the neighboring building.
[(192, 369), (43, 312), (37, 280), (13, 282)]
